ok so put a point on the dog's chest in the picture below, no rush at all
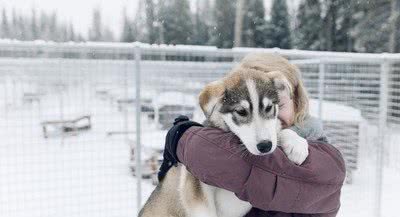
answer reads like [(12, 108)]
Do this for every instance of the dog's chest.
[(228, 205)]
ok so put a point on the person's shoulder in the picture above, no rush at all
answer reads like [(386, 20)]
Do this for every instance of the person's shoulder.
[(313, 122), (311, 128)]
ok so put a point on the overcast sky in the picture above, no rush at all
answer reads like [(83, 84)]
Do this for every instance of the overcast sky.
[(79, 12)]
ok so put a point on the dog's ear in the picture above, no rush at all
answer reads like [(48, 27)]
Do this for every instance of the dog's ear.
[(210, 96), (281, 83)]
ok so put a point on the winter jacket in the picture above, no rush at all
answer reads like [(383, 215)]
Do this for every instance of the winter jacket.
[(272, 182)]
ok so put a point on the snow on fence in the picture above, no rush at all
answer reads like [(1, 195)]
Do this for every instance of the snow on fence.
[(93, 172)]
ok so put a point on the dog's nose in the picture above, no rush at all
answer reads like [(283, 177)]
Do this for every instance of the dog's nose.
[(264, 146)]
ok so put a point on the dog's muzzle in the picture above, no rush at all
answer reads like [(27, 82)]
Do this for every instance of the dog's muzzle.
[(264, 146)]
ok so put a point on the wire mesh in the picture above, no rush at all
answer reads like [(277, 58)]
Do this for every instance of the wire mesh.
[(68, 120), (59, 153)]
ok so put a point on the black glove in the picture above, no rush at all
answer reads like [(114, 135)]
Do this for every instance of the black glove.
[(181, 124)]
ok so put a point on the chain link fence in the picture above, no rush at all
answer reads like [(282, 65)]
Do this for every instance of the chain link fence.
[(71, 121)]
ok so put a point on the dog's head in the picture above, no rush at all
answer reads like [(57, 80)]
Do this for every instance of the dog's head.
[(247, 105)]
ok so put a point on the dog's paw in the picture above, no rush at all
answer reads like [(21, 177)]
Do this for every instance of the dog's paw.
[(294, 146)]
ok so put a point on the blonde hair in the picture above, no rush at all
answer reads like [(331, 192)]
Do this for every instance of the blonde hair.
[(274, 63)]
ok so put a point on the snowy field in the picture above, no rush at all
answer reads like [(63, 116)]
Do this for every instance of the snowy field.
[(88, 174), (79, 175), (358, 198)]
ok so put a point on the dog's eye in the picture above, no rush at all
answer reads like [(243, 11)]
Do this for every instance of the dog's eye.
[(241, 112), (268, 108)]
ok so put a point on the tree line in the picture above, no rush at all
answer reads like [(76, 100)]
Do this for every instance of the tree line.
[(44, 26), (329, 25)]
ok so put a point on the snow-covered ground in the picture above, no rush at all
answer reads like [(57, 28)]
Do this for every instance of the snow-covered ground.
[(359, 198), (88, 174), (82, 175)]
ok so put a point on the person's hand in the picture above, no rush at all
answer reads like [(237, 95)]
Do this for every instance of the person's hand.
[(294, 146), (181, 124)]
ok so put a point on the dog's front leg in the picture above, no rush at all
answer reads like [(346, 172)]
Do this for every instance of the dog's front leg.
[(209, 193), (294, 146), (198, 199)]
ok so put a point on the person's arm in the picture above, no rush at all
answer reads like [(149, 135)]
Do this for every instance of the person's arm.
[(270, 182), (258, 213)]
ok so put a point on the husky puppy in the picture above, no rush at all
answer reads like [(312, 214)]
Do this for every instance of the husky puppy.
[(244, 102)]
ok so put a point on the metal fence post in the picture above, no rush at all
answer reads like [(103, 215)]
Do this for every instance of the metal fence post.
[(137, 150), (321, 82), (383, 108)]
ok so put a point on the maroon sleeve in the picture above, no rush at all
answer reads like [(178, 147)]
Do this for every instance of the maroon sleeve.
[(254, 212), (270, 182)]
